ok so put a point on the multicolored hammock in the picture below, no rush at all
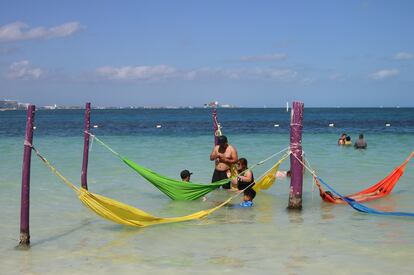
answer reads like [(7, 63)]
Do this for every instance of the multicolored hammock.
[(379, 190), (362, 208)]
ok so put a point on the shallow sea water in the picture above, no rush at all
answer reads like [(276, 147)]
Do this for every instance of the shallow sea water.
[(67, 238)]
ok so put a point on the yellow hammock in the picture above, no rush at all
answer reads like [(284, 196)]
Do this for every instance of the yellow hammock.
[(122, 213), (269, 177)]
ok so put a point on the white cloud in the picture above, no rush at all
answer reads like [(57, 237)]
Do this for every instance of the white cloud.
[(137, 73), (20, 31), (382, 74), (337, 77), (403, 56), (275, 74), (159, 72), (269, 57), (23, 70)]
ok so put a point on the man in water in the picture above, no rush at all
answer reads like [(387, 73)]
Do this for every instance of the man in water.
[(360, 143), (224, 155), (185, 175)]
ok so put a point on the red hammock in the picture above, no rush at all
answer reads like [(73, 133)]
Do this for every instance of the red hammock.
[(379, 190)]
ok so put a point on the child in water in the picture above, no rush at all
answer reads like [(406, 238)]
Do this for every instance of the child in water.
[(248, 197)]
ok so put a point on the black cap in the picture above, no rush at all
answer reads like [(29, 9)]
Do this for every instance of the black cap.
[(221, 140), (185, 173)]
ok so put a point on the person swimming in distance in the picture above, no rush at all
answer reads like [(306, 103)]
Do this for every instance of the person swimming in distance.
[(348, 140), (341, 140), (361, 143), (185, 175)]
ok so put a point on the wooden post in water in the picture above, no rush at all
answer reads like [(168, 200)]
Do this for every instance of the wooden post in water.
[(25, 195), (84, 174), (216, 127), (296, 167)]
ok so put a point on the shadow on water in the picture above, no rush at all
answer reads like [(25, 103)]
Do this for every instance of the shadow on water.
[(84, 224)]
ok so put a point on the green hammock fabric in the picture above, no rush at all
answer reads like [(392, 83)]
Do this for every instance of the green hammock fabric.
[(175, 189)]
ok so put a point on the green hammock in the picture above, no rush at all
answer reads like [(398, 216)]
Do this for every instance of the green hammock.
[(175, 189)]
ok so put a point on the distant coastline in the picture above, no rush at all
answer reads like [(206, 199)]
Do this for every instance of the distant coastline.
[(13, 105)]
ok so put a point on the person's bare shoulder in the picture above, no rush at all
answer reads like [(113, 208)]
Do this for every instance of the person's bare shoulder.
[(232, 148)]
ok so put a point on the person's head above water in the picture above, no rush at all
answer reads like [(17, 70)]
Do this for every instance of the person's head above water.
[(361, 136), (249, 194), (222, 140), (348, 138), (242, 163), (185, 175)]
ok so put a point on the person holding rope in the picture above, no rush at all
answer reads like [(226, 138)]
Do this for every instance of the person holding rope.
[(224, 155), (244, 178)]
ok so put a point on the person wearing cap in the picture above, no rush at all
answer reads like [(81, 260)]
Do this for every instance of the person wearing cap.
[(185, 175), (224, 155)]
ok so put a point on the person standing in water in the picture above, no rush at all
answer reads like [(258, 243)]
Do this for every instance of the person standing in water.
[(360, 143), (244, 178), (224, 155)]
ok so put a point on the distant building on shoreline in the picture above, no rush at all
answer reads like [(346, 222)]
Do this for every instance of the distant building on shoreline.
[(12, 105), (216, 104)]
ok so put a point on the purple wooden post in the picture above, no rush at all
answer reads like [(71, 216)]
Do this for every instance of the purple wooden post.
[(215, 126), (296, 167), (25, 195), (84, 175)]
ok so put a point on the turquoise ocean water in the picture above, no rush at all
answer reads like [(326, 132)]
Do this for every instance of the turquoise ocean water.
[(323, 238)]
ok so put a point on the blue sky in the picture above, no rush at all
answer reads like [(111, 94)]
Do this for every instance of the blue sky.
[(180, 53)]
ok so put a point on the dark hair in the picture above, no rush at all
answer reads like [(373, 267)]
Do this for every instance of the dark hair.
[(221, 140), (250, 193), (343, 134), (361, 135), (243, 161), (348, 138), (185, 173), (288, 173)]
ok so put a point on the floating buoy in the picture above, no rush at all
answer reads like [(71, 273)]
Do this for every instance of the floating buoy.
[(95, 126), (331, 125), (276, 125), (34, 127), (158, 126), (387, 125)]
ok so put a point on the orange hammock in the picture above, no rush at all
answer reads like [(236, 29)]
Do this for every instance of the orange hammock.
[(379, 190)]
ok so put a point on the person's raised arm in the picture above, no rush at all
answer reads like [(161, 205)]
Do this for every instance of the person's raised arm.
[(213, 155)]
